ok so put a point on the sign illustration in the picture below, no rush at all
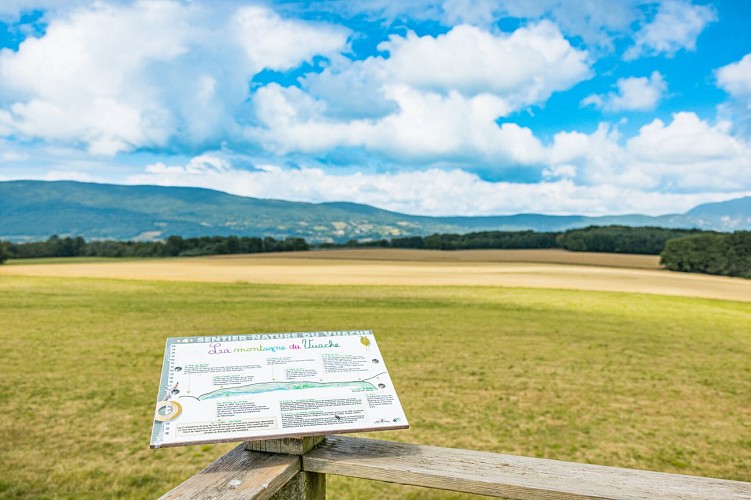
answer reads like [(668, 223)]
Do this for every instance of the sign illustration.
[(248, 387)]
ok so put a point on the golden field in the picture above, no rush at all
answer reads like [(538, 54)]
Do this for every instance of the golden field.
[(556, 269)]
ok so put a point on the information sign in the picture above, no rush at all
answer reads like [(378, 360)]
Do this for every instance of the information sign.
[(249, 387)]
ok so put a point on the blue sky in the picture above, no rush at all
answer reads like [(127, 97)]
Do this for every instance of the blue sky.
[(452, 107)]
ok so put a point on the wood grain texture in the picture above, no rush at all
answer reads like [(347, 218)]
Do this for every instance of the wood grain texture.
[(240, 474), (506, 476), (291, 446), (304, 486)]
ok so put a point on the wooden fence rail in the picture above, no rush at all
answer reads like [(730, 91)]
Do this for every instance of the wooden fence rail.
[(296, 468)]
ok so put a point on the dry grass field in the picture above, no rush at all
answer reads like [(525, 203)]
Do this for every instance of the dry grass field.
[(659, 380), (554, 269)]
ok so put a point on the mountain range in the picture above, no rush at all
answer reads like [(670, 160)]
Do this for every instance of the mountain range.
[(35, 210)]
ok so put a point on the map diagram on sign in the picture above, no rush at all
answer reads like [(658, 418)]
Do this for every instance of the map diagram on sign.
[(248, 387)]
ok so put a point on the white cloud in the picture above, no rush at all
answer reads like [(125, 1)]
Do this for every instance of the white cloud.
[(690, 155), (597, 157), (559, 172), (735, 79), (676, 26), (198, 165), (474, 12), (352, 89), (170, 75), (269, 41), (524, 67), (11, 155), (634, 94), (68, 175), (686, 139), (147, 74), (13, 8), (77, 84), (687, 155), (429, 192), (437, 98), (428, 127), (596, 22)]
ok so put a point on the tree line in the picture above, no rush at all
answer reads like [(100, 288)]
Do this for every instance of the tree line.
[(468, 241), (688, 250), (174, 246), (4, 255), (610, 239), (617, 239), (724, 254), (621, 239)]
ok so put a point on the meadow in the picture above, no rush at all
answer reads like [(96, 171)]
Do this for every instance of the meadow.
[(550, 269), (627, 379)]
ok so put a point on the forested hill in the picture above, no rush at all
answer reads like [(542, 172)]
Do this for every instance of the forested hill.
[(35, 210)]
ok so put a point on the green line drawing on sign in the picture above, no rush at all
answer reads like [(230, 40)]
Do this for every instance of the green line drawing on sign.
[(284, 386)]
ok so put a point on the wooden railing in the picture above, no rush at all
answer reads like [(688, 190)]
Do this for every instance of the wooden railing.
[(297, 468)]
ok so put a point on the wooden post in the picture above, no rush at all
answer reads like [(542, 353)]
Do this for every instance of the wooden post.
[(304, 485), (290, 446)]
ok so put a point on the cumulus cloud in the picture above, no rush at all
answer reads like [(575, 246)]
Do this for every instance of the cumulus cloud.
[(735, 79), (684, 156), (429, 192), (596, 22), (177, 77), (687, 138), (75, 83), (149, 74), (634, 94), (271, 42), (676, 26), (428, 127), (524, 67), (440, 97), (666, 167)]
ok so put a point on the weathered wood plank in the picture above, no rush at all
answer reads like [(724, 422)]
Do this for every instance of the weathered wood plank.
[(506, 475), (304, 486), (240, 474), (290, 446)]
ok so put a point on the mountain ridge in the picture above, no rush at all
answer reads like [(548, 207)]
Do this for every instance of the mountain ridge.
[(34, 210)]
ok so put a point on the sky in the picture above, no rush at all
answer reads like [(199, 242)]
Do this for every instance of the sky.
[(452, 107)]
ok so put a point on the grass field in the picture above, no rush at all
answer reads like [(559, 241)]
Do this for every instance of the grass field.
[(634, 380), (517, 268), (68, 260)]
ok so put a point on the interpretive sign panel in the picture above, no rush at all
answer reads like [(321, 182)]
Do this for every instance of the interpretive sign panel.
[(248, 387)]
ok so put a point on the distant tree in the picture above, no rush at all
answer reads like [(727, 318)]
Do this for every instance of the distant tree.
[(701, 253), (620, 239), (4, 253), (174, 245), (725, 254), (480, 240), (738, 247), (106, 248), (408, 242)]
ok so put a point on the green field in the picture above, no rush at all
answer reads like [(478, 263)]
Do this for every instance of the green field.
[(640, 381)]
